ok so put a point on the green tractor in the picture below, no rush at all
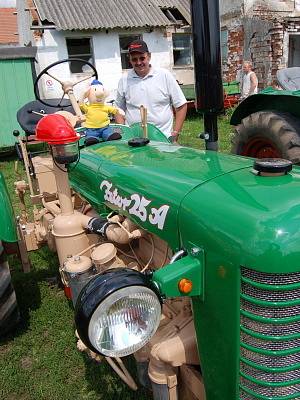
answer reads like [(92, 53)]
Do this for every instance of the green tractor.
[(187, 260), (9, 313), (267, 124)]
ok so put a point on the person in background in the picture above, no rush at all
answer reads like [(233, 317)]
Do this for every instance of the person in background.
[(154, 88), (248, 80)]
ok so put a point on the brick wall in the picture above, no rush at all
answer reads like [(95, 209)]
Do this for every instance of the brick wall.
[(277, 61), (260, 35), (235, 53), (259, 40), (8, 26)]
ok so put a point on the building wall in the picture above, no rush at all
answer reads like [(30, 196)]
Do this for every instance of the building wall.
[(235, 51), (52, 47), (260, 33), (228, 7)]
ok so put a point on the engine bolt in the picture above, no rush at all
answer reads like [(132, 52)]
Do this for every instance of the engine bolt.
[(195, 251)]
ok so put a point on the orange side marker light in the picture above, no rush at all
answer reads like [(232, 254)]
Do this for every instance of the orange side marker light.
[(185, 286)]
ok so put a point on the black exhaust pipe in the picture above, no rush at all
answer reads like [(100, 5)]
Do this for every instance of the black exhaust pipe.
[(207, 66)]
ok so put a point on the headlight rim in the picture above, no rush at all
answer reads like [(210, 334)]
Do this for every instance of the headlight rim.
[(99, 288)]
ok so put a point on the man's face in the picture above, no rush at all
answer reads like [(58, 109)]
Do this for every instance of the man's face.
[(246, 67), (140, 62)]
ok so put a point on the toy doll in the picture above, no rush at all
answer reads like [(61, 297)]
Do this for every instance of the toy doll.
[(97, 113)]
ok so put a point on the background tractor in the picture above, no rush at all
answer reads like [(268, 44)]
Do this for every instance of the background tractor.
[(267, 124), (188, 260)]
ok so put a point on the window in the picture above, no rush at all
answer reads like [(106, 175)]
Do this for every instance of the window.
[(79, 48), (124, 43), (182, 49), (294, 51), (224, 44)]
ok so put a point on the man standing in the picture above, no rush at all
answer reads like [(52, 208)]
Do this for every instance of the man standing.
[(248, 81), (154, 88)]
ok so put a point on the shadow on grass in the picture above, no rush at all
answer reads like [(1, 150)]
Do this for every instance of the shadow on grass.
[(44, 268), (102, 379)]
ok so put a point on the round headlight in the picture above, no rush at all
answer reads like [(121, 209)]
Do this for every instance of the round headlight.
[(118, 312)]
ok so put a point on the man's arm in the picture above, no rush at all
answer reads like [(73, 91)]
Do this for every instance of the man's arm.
[(253, 83), (179, 104), (180, 114)]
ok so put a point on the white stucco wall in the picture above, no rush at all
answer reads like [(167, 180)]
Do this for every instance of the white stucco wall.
[(52, 47)]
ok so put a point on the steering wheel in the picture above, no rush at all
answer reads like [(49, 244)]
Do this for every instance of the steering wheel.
[(67, 86)]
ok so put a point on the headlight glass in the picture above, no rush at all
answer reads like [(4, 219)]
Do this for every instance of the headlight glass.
[(125, 321)]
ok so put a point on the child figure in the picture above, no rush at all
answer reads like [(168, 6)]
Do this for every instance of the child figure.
[(97, 113)]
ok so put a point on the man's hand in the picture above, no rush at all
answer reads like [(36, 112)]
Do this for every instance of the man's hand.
[(174, 136)]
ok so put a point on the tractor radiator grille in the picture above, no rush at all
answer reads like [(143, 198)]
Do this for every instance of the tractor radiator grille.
[(270, 336)]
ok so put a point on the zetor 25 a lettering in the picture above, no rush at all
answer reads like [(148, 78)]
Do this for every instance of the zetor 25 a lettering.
[(135, 205)]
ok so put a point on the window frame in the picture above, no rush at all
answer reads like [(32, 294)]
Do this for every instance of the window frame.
[(125, 52), (224, 44), (80, 55), (177, 34)]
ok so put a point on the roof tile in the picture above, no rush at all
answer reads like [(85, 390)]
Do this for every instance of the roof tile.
[(8, 26), (95, 14)]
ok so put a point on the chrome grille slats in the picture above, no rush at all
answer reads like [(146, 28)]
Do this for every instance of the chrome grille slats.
[(271, 392), (269, 344), (270, 312), (271, 279), (267, 365), (270, 295), (246, 396), (269, 329), (270, 361), (270, 377)]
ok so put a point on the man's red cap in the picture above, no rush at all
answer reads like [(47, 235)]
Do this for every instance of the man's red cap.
[(138, 46)]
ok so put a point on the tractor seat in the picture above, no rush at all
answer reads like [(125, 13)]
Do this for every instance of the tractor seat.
[(289, 78), (28, 120)]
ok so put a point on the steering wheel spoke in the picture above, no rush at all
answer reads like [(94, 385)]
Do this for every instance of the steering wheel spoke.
[(59, 104), (54, 77), (83, 79)]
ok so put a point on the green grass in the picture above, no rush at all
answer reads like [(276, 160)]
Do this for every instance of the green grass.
[(39, 361), (193, 126)]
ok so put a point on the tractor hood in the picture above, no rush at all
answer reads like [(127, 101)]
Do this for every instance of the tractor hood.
[(246, 220), (148, 183)]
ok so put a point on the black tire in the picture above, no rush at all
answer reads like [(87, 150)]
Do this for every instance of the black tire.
[(9, 311), (268, 134)]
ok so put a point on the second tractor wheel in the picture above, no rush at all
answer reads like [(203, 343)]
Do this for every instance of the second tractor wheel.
[(9, 312), (268, 134)]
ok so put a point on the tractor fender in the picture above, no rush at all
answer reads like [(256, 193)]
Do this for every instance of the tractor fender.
[(8, 231), (268, 99)]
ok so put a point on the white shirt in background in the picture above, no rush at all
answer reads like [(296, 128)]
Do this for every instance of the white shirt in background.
[(246, 84)]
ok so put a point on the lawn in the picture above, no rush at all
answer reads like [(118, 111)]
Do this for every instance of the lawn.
[(39, 361)]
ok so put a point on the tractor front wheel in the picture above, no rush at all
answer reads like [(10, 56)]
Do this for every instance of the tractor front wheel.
[(268, 134), (9, 312)]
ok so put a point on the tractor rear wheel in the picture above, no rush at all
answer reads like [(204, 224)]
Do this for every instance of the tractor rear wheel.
[(9, 311), (268, 134)]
